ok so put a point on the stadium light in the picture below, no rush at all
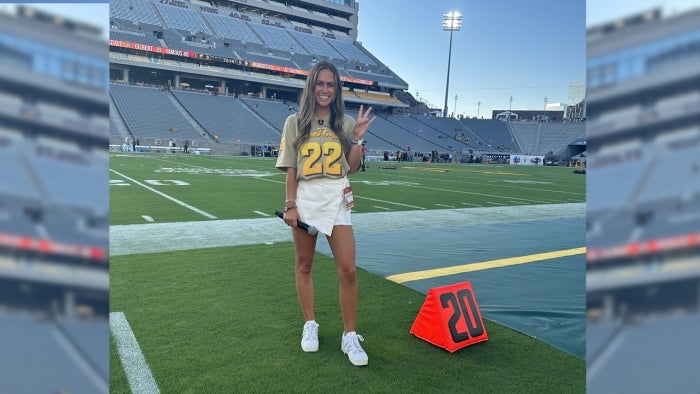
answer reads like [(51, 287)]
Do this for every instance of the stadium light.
[(451, 21), (455, 113)]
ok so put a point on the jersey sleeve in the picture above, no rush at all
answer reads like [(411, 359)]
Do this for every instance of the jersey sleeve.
[(287, 156)]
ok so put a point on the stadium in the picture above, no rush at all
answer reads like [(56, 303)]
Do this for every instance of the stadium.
[(225, 77), (642, 225), (200, 267), (54, 276)]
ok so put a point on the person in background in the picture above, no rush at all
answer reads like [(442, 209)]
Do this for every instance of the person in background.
[(364, 155)]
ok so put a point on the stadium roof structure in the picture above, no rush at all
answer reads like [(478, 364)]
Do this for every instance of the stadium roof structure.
[(268, 43)]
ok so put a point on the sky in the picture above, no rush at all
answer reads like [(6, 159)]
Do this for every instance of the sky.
[(527, 50)]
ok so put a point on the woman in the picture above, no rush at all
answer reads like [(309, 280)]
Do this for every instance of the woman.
[(320, 146)]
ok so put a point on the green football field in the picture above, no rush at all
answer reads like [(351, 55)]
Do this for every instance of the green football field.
[(215, 311)]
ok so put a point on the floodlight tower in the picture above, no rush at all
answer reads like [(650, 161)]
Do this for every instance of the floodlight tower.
[(451, 21), (455, 113)]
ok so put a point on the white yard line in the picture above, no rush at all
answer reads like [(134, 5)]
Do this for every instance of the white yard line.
[(390, 202), (173, 199), (135, 366)]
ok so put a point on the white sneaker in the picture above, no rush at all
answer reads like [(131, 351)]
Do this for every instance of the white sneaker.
[(350, 345), (309, 337)]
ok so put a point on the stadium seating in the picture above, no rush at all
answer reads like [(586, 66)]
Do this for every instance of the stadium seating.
[(117, 130), (610, 228), (228, 27), (527, 135), (380, 98), (667, 343), (137, 104), (15, 180), (598, 335), (654, 197), (494, 133), (670, 218), (228, 118), (251, 36), (134, 37), (91, 337), (134, 10), (16, 216), (396, 136), (56, 166), (316, 45), (418, 129), (447, 129), (277, 38), (679, 172), (540, 138), (38, 358), (272, 111), (351, 52), (625, 168), (181, 19), (270, 59), (239, 33), (556, 135)]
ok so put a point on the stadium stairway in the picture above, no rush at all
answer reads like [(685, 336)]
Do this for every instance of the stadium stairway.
[(387, 118), (372, 133), (520, 145), (476, 135), (117, 121), (450, 137), (261, 118), (200, 129), (600, 338)]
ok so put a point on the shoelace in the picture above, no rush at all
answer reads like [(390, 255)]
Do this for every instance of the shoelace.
[(355, 343), (310, 330)]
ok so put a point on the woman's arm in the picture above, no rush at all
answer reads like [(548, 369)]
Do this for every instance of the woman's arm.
[(290, 212)]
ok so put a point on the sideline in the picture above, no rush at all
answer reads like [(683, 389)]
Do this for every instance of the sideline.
[(162, 237)]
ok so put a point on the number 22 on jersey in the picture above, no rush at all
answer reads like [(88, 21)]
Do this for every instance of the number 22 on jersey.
[(321, 158)]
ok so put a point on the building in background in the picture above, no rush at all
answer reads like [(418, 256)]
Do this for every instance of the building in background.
[(643, 227), (54, 202)]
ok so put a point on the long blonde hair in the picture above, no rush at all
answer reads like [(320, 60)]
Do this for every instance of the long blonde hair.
[(308, 106)]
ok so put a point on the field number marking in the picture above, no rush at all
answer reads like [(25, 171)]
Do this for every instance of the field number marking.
[(156, 182), (173, 199)]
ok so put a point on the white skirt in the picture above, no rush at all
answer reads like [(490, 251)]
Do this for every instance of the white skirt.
[(321, 203)]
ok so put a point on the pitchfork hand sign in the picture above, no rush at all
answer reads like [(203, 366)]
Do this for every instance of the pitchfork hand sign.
[(362, 123)]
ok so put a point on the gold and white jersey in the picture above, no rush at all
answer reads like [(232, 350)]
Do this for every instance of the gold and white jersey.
[(321, 155)]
